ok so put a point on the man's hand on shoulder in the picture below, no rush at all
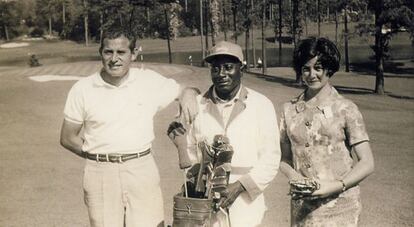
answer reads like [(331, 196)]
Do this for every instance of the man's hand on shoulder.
[(188, 103)]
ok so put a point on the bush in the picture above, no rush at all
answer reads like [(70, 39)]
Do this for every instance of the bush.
[(37, 32), (184, 31)]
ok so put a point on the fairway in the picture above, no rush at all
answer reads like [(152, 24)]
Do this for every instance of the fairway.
[(41, 182)]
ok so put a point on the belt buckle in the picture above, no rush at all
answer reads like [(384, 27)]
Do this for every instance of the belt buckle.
[(115, 158)]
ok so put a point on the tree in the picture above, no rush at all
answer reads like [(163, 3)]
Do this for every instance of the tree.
[(203, 53), (8, 17), (47, 10), (174, 20), (393, 14), (85, 21), (318, 11), (346, 33), (234, 9), (247, 23), (264, 58), (214, 10)]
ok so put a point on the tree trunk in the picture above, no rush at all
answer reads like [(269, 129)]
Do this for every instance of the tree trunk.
[(379, 50), (203, 53), (212, 21), (234, 8), (295, 23), (168, 33), (50, 26), (336, 27), (327, 11), (264, 65), (206, 16), (63, 20), (306, 18), (131, 18), (253, 48), (6, 32), (224, 20), (85, 23), (280, 32), (252, 40), (318, 9), (147, 12), (247, 36), (101, 16), (346, 39), (295, 16)]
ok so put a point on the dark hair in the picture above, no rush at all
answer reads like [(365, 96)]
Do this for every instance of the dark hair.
[(326, 51), (116, 32)]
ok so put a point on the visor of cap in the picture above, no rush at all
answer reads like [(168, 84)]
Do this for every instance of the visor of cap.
[(225, 48)]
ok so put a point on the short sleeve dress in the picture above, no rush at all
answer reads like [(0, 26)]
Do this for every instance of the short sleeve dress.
[(321, 133)]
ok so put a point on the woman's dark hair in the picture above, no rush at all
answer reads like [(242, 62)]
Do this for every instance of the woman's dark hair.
[(326, 51), (116, 32)]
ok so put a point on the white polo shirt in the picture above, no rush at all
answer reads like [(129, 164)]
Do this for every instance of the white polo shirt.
[(119, 119)]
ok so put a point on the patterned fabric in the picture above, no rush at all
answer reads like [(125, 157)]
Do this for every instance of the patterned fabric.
[(321, 132)]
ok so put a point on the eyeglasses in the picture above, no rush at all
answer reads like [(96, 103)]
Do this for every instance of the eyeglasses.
[(228, 67)]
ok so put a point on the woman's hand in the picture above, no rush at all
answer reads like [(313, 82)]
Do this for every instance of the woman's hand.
[(295, 176), (327, 188)]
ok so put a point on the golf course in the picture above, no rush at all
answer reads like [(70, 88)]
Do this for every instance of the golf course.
[(41, 182)]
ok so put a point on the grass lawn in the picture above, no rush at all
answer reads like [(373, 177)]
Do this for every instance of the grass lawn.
[(51, 52), (42, 182)]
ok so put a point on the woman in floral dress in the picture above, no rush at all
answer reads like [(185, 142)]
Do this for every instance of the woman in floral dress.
[(320, 129)]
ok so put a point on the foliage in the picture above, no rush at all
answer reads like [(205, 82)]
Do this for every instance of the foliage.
[(10, 18)]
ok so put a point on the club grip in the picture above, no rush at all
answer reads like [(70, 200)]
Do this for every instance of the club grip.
[(183, 158)]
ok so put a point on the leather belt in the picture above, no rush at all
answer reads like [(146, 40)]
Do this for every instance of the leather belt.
[(115, 157)]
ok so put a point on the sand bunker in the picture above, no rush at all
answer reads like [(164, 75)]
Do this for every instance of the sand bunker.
[(13, 45), (47, 78)]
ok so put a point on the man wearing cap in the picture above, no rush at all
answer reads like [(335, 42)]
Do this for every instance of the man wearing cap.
[(109, 122), (248, 119)]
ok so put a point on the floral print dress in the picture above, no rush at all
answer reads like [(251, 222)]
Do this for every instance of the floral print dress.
[(321, 133)]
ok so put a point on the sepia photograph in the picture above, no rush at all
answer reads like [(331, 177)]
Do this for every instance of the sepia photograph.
[(206, 113)]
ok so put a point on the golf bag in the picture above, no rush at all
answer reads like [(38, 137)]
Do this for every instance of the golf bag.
[(192, 212)]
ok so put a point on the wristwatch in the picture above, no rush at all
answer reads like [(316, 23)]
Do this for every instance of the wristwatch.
[(343, 185)]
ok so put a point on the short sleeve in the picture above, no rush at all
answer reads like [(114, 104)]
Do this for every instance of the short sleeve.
[(354, 125), (74, 107), (167, 90), (283, 128)]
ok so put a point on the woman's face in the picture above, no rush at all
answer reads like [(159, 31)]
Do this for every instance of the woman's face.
[(314, 75)]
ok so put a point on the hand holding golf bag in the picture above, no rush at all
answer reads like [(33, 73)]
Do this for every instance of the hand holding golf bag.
[(206, 185)]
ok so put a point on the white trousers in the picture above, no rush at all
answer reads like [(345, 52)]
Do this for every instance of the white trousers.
[(123, 192)]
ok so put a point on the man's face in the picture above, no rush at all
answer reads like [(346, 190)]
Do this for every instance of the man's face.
[(225, 74), (116, 56)]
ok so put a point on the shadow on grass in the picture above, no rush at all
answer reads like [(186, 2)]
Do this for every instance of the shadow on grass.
[(281, 80), (284, 39), (341, 89), (397, 68)]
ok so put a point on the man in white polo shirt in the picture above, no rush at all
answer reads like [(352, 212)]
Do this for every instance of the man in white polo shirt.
[(109, 121), (248, 119)]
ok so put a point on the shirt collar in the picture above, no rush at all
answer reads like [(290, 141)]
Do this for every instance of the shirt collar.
[(217, 99), (318, 101), (210, 95), (130, 77), (211, 108)]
